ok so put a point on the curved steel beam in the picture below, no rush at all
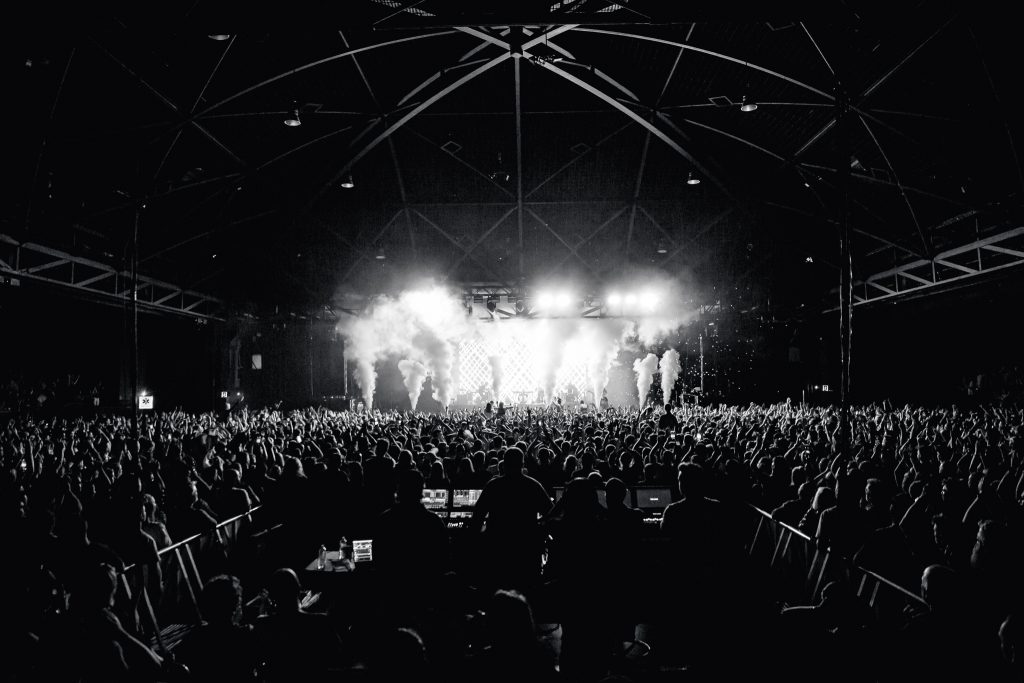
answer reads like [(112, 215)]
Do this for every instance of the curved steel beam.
[(648, 125), (316, 63), (712, 53), (425, 104)]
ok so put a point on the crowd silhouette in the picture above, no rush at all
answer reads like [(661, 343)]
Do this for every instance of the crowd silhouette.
[(929, 498)]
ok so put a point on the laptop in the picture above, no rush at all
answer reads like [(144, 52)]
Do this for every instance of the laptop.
[(653, 501), (435, 500), (362, 551)]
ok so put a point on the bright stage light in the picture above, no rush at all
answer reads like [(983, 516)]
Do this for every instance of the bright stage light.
[(614, 299), (649, 300), (630, 299), (545, 300), (563, 300)]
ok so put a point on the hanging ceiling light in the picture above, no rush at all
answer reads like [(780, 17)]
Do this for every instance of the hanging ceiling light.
[(692, 179), (293, 120), (747, 105), (348, 183), (219, 36)]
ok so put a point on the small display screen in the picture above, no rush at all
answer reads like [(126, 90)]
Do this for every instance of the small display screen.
[(465, 498), (435, 499), (653, 499), (362, 551), (460, 514)]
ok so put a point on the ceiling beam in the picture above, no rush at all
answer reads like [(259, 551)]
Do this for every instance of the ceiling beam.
[(519, 162), (440, 94)]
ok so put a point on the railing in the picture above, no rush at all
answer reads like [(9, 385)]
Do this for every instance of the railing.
[(146, 603), (803, 567)]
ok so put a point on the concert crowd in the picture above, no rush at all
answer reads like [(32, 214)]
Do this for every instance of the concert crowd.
[(928, 498)]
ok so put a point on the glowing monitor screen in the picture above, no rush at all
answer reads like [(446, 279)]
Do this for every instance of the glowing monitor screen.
[(461, 514), (465, 498), (362, 551), (435, 499), (653, 499)]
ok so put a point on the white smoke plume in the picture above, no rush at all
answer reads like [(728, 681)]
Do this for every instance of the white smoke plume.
[(600, 341), (497, 375), (424, 327), (414, 373), (645, 369), (670, 368), (422, 324)]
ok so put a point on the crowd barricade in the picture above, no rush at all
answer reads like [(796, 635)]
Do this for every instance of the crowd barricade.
[(165, 610), (802, 567)]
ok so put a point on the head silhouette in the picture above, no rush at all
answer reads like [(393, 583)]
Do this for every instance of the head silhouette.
[(513, 460), (283, 589), (615, 491), (221, 600), (410, 487), (691, 480)]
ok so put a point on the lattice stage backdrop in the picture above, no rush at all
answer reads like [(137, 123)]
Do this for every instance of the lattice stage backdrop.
[(521, 371)]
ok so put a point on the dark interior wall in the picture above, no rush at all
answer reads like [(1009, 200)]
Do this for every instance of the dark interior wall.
[(48, 333), (921, 349), (302, 362)]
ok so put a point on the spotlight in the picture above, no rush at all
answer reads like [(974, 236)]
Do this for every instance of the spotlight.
[(630, 299), (649, 300), (293, 120), (563, 300), (348, 183), (692, 179), (545, 300), (614, 299), (747, 105), (219, 36), (380, 255), (662, 249)]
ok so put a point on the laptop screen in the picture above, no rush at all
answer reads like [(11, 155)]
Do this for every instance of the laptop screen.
[(653, 499), (435, 499), (465, 498), (362, 551)]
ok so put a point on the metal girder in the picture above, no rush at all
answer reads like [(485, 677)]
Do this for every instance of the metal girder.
[(1005, 250), (710, 53), (616, 103), (480, 240), (425, 104), (31, 261), (573, 250), (576, 158), (585, 240), (519, 161), (468, 252), (460, 160), (925, 244), (195, 103), (855, 106), (171, 105), (391, 145)]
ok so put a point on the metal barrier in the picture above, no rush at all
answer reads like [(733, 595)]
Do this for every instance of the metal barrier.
[(175, 603), (803, 566)]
